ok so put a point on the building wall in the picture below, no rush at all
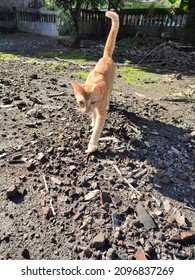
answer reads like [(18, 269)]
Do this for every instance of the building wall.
[(13, 3)]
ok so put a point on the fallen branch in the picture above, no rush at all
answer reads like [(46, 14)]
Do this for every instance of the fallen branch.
[(75, 63), (163, 44), (125, 180), (182, 99)]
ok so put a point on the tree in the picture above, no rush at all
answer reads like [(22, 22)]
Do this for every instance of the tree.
[(115, 4), (188, 5), (73, 7), (189, 34)]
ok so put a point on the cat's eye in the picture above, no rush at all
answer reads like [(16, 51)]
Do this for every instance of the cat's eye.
[(81, 103), (93, 102)]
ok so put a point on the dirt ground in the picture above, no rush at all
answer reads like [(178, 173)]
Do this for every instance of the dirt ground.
[(135, 197)]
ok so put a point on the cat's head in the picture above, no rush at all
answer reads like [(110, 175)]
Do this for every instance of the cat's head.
[(88, 95)]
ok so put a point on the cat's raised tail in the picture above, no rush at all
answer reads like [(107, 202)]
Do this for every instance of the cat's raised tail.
[(111, 40)]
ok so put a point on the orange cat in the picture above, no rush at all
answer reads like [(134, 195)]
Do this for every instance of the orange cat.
[(94, 96)]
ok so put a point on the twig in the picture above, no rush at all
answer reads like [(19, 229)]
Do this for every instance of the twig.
[(51, 206), (141, 95), (125, 180), (109, 139), (57, 94), (117, 170), (75, 63), (189, 208), (180, 99), (46, 187), (151, 52), (133, 127)]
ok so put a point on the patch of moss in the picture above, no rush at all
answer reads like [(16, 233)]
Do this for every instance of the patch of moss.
[(32, 61), (52, 67), (58, 66), (62, 73), (8, 55), (82, 75), (74, 55), (139, 77)]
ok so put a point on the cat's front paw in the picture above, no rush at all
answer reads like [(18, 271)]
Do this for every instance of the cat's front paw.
[(91, 148)]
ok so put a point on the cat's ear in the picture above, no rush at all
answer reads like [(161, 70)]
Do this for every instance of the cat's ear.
[(100, 87), (77, 87)]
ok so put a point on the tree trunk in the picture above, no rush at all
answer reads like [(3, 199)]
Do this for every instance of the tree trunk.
[(76, 14), (189, 32)]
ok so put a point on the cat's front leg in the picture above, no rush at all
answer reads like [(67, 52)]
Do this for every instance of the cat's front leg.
[(93, 118), (99, 124)]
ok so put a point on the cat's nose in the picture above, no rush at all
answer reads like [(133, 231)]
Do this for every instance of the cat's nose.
[(87, 110)]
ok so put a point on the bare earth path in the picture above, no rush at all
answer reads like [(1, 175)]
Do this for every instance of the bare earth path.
[(136, 194)]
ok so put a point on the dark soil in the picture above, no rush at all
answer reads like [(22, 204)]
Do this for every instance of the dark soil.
[(132, 199)]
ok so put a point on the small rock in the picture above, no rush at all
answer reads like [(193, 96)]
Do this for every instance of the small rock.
[(88, 252), (91, 195), (30, 166), (47, 211), (117, 220), (140, 255), (183, 176), (36, 113), (11, 191), (123, 256), (72, 167), (61, 137), (116, 201), (56, 181), (166, 180), (26, 254), (174, 245), (99, 240), (34, 76), (20, 104), (105, 198), (77, 216), (120, 243), (181, 255), (144, 217), (50, 150), (41, 157), (192, 134), (183, 236), (110, 254), (178, 76), (6, 100), (3, 155)]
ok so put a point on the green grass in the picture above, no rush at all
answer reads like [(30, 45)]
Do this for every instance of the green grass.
[(62, 72), (82, 75), (139, 77), (74, 55), (8, 55)]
